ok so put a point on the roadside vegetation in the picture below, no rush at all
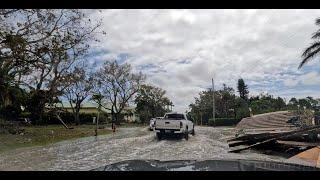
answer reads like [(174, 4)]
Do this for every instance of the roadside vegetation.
[(43, 64), (231, 107), (151, 102), (43, 135)]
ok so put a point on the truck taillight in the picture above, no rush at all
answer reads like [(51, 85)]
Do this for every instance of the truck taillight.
[(180, 124)]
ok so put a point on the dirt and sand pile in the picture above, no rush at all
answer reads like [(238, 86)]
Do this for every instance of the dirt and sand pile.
[(267, 120)]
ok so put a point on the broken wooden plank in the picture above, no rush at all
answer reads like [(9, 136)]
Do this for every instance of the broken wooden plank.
[(243, 146), (298, 143), (253, 145), (269, 130), (247, 137), (64, 124), (261, 132), (279, 136), (237, 143)]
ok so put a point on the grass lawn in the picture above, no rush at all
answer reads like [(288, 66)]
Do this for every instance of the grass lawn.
[(42, 135)]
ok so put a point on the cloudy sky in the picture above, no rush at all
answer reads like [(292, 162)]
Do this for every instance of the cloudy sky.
[(181, 50)]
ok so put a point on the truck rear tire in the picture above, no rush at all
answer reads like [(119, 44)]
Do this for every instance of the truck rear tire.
[(186, 135), (193, 133), (159, 136)]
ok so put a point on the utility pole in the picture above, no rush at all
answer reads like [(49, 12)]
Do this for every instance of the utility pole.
[(97, 120), (213, 106), (98, 99), (201, 117)]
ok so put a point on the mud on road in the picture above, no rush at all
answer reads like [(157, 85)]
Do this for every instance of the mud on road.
[(126, 144)]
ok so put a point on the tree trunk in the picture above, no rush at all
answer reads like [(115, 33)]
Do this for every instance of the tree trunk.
[(77, 119), (117, 118)]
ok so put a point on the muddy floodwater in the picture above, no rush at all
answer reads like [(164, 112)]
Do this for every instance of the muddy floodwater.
[(126, 144)]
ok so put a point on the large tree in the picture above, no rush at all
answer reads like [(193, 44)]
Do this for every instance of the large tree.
[(314, 49), (117, 83), (39, 46), (313, 102), (14, 57), (201, 109), (151, 102), (293, 101), (227, 100), (305, 102), (243, 89), (266, 103), (78, 87)]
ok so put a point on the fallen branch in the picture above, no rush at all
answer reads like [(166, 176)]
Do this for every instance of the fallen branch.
[(64, 124)]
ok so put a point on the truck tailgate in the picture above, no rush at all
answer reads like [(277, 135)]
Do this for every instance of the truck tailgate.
[(167, 124)]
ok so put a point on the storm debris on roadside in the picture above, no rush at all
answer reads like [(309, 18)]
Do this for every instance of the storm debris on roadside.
[(280, 132)]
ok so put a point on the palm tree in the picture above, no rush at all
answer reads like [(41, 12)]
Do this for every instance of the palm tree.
[(243, 89), (314, 48)]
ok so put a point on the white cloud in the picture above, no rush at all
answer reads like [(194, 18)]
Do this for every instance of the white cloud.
[(311, 78), (261, 46), (183, 15), (290, 82)]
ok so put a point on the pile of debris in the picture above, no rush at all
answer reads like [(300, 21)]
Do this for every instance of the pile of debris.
[(281, 121), (281, 131)]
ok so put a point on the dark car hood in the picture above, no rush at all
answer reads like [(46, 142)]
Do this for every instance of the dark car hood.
[(206, 165)]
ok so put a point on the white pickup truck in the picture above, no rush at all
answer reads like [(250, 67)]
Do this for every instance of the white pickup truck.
[(174, 123)]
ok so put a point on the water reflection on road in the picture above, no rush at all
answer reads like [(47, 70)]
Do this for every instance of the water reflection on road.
[(128, 143)]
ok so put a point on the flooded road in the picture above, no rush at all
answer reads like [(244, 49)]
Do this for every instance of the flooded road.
[(127, 144)]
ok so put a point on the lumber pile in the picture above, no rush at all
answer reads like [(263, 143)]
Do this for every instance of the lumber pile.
[(271, 131), (255, 140), (267, 123)]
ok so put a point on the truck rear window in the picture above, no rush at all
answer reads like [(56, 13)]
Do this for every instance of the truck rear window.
[(174, 116)]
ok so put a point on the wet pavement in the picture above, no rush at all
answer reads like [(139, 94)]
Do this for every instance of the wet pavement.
[(126, 144)]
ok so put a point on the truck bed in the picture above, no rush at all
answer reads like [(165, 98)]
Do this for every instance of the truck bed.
[(168, 124)]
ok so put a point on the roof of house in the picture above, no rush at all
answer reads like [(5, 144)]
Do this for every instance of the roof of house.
[(85, 105), (90, 105)]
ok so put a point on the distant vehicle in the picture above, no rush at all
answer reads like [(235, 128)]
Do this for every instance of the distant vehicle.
[(151, 126), (174, 124)]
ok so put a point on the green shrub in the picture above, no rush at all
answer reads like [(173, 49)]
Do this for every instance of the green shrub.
[(10, 112), (7, 127), (242, 113), (25, 115)]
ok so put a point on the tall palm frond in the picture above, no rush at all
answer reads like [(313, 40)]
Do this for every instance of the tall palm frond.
[(318, 21), (310, 52), (316, 35), (313, 49)]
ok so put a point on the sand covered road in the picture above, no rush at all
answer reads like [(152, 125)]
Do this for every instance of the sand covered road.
[(126, 144)]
